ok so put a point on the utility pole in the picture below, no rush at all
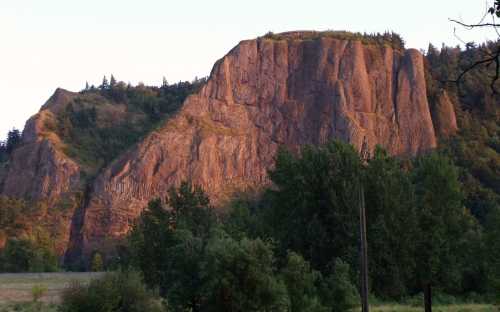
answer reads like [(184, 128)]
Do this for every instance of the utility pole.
[(364, 251)]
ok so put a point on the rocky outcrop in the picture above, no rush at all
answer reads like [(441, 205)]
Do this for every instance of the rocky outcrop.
[(263, 94), (39, 170), (443, 116), (42, 174)]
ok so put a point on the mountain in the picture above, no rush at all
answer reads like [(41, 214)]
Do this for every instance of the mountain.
[(275, 91)]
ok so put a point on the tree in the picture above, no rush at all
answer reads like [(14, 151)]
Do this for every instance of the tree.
[(112, 82), (119, 291), (339, 291), (442, 222), (3, 152), (104, 85), (493, 251), (97, 264), (392, 224), (242, 278), (169, 245), (13, 140), (303, 285), (164, 83), (314, 207), (491, 57)]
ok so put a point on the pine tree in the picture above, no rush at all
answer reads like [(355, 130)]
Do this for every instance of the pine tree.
[(164, 84), (441, 222), (112, 82), (105, 84), (13, 139), (87, 86)]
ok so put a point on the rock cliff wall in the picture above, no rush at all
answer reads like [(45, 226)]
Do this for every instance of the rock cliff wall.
[(263, 94)]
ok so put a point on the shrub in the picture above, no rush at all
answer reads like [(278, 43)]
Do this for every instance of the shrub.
[(37, 291), (122, 291), (27, 255), (97, 264), (341, 294)]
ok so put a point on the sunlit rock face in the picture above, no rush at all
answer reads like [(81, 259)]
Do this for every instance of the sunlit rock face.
[(264, 94)]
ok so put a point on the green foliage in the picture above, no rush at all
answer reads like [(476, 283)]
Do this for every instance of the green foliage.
[(169, 244), (304, 286), (7, 147), (392, 225), (28, 307), (475, 149), (313, 208), (492, 234), (389, 39), (415, 234), (33, 254), (97, 263), (242, 278), (342, 295), (115, 292), (183, 249), (38, 291), (442, 220), (94, 136)]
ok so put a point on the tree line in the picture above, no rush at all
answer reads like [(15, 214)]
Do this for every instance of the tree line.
[(7, 147), (296, 247)]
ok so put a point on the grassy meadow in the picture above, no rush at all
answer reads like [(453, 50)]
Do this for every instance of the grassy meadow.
[(17, 289), (16, 294)]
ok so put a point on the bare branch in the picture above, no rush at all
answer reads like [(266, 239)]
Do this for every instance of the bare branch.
[(474, 25), (494, 59)]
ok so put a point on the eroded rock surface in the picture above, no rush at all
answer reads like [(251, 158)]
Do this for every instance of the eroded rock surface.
[(263, 94), (443, 116), (42, 174)]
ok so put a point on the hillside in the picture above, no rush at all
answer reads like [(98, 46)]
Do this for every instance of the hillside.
[(92, 160), (68, 142)]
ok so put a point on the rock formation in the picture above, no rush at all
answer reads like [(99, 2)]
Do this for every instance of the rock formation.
[(40, 172), (263, 94), (443, 116)]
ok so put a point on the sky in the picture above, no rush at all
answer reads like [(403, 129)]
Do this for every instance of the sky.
[(46, 44)]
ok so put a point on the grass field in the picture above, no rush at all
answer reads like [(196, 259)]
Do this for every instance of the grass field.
[(16, 294), (18, 287)]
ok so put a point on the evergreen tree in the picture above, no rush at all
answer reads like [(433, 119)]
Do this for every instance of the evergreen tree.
[(13, 140), (314, 207), (303, 285), (104, 85), (392, 223), (493, 251), (442, 222), (164, 83), (112, 82), (3, 152)]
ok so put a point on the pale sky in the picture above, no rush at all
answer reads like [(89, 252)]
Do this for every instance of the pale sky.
[(45, 44)]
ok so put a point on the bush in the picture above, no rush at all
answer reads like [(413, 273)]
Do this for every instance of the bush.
[(26, 255), (117, 292), (341, 294), (97, 264), (38, 291)]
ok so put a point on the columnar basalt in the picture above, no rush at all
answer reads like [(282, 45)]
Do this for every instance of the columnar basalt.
[(264, 94)]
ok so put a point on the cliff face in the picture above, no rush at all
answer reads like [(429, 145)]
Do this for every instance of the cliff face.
[(263, 94), (42, 174), (443, 115)]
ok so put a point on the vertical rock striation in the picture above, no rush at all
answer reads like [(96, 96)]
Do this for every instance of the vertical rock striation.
[(263, 94)]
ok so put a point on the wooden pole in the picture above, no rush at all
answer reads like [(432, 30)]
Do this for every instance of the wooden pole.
[(364, 251)]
